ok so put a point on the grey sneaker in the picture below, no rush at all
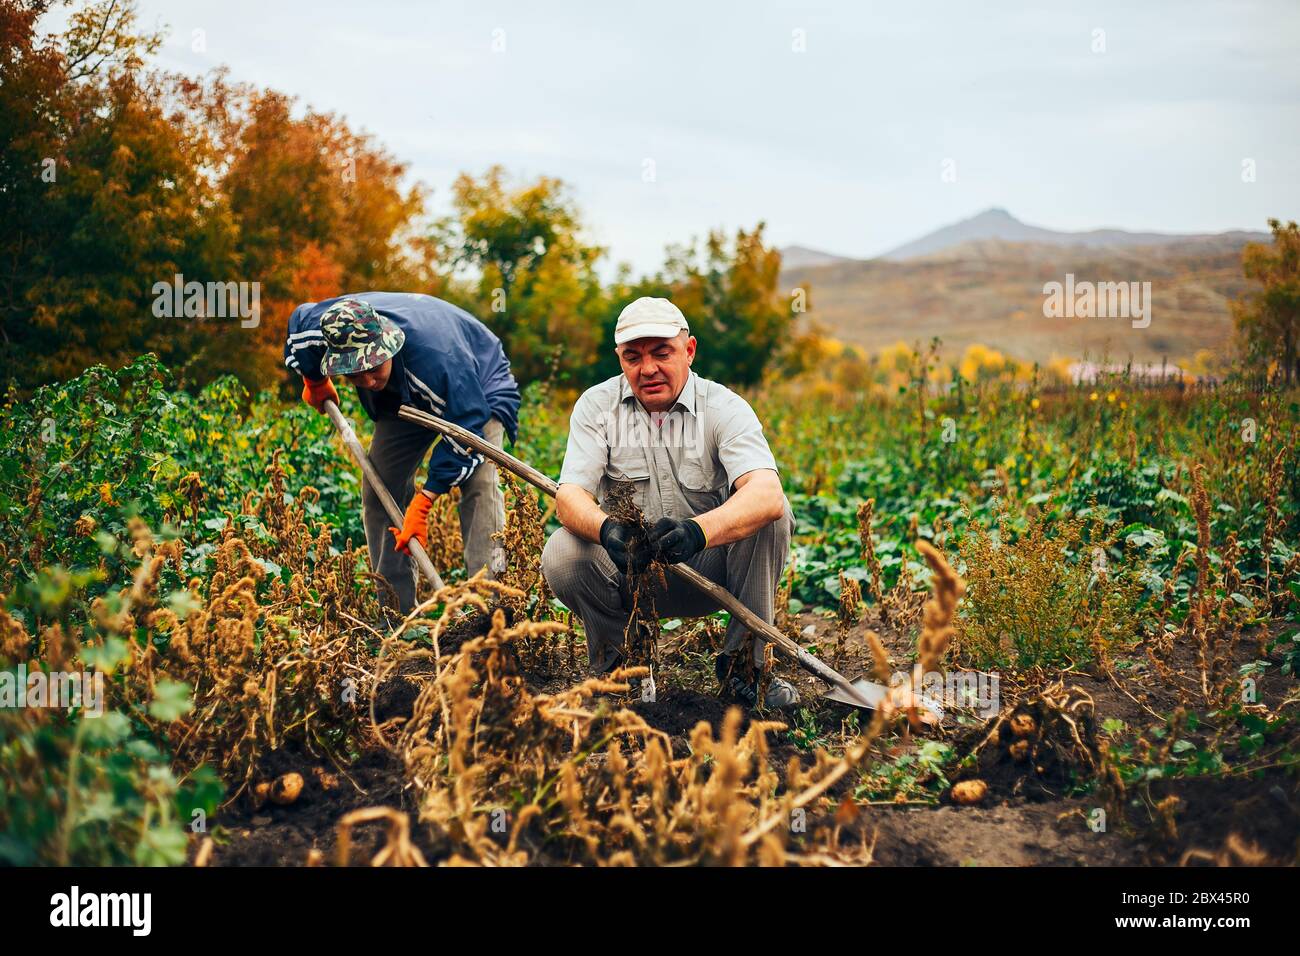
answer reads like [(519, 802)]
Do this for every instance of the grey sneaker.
[(780, 693)]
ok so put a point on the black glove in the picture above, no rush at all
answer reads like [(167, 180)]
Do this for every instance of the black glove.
[(617, 539), (675, 541)]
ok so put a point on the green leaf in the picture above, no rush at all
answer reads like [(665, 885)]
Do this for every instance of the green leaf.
[(1168, 494), (162, 846), (182, 603), (1145, 537), (171, 700), (99, 808), (201, 790), (106, 731), (107, 656)]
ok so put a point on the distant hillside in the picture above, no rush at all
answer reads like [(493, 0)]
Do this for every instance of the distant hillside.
[(800, 257), (998, 224), (991, 292)]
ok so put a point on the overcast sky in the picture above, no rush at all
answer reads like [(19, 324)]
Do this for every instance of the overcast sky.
[(840, 147)]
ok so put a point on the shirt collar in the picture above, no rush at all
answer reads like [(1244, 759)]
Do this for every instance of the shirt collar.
[(685, 401)]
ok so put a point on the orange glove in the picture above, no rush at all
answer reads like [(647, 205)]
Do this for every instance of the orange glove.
[(315, 391), (415, 524)]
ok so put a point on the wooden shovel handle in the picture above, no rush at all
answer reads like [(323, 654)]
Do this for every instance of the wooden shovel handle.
[(721, 595), (349, 437)]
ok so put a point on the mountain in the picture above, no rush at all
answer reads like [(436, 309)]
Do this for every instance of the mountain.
[(998, 224), (800, 257), (990, 291)]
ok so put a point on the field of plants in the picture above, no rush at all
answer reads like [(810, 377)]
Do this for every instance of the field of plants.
[(1125, 561)]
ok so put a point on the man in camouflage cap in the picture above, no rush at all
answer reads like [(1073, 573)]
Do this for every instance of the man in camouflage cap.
[(358, 338), (409, 349)]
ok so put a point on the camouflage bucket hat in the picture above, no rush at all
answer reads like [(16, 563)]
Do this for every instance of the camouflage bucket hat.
[(357, 338)]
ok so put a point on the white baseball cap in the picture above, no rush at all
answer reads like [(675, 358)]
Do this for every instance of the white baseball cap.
[(649, 318)]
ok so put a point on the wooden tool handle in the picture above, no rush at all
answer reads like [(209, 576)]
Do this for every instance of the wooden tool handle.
[(721, 595), (372, 477)]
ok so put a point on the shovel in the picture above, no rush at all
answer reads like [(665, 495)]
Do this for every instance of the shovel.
[(859, 693), (358, 453)]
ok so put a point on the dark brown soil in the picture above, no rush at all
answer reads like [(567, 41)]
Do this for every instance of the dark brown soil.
[(283, 836), (1263, 812), (1027, 818), (1017, 833), (677, 711)]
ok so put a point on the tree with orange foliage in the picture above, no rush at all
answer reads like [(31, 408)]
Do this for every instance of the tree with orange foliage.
[(537, 286), (320, 209), (115, 178), (101, 196), (1268, 321), (729, 294)]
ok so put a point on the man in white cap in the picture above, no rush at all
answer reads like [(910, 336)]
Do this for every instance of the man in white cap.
[(701, 472)]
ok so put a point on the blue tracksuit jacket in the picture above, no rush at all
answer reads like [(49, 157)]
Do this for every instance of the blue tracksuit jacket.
[(450, 365)]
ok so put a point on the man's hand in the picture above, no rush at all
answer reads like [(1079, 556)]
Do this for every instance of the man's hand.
[(415, 524), (316, 391), (675, 541), (616, 538)]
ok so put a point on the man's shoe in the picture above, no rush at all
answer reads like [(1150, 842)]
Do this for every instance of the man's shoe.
[(780, 693)]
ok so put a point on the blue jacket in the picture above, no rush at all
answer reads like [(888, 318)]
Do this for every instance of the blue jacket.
[(450, 365)]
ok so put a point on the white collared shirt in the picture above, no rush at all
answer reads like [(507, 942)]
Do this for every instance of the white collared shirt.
[(682, 462)]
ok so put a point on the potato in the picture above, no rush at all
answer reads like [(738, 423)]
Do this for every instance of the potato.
[(286, 789), (261, 793), (1022, 725), (969, 792), (1019, 751)]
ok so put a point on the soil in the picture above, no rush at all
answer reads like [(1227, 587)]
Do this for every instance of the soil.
[(1026, 819), (283, 836)]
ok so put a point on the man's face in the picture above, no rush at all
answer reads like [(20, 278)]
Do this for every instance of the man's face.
[(657, 369), (375, 379)]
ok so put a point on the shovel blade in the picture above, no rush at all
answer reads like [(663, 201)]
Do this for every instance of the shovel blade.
[(932, 713)]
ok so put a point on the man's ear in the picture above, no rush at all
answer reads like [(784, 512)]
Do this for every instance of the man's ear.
[(690, 349)]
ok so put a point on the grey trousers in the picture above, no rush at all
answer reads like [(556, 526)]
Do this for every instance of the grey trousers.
[(396, 451), (582, 575)]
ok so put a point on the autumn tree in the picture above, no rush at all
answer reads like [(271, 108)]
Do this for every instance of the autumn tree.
[(535, 280), (1268, 321), (320, 209), (729, 293), (114, 178), (101, 196)]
